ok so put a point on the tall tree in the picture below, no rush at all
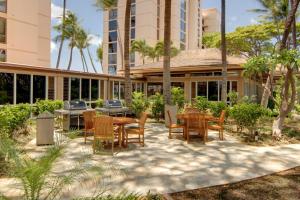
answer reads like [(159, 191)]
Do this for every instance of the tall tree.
[(81, 44), (290, 60), (100, 54), (128, 85), (167, 53), (224, 52), (141, 47), (62, 34)]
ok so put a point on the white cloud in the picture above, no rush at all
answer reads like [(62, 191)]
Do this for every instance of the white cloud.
[(95, 40), (253, 21), (53, 46), (56, 11)]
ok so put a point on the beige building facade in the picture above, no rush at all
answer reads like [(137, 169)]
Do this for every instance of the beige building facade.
[(211, 20), (25, 29), (147, 23)]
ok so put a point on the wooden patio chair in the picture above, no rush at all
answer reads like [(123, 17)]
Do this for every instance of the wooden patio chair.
[(196, 123), (219, 124), (137, 131), (173, 125), (191, 110), (104, 131), (89, 128)]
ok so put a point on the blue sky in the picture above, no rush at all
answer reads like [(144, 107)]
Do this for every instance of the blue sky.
[(91, 20)]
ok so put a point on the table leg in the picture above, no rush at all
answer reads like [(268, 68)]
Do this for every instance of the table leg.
[(123, 136), (120, 136)]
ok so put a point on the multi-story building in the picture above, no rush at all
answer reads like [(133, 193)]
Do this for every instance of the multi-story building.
[(25, 32), (147, 23), (211, 20)]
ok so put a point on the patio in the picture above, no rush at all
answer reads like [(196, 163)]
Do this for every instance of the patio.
[(165, 165)]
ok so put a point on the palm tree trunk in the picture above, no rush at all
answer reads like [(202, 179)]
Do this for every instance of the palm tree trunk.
[(62, 34), (167, 52), (224, 54), (85, 62), (81, 56), (71, 57), (120, 44), (91, 59), (288, 100), (128, 85)]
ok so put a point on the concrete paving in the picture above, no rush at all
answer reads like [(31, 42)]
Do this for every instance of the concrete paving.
[(164, 165)]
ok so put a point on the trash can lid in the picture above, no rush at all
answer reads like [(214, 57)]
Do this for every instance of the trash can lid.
[(45, 115)]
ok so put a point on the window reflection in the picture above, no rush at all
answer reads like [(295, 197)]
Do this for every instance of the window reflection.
[(23, 88), (39, 88), (6, 88)]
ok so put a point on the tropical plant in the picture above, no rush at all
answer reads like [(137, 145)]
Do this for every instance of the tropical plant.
[(167, 53), (217, 107), (99, 103), (141, 47), (81, 42), (70, 27), (157, 106), (201, 103), (48, 105), (233, 97), (177, 96), (62, 35), (139, 103), (246, 115)]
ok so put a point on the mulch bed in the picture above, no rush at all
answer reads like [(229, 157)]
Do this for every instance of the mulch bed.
[(283, 185)]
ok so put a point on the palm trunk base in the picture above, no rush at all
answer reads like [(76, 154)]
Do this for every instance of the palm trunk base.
[(277, 128)]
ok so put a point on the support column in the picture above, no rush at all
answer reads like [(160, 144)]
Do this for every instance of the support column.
[(187, 87)]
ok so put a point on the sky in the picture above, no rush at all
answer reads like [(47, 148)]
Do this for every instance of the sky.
[(91, 20)]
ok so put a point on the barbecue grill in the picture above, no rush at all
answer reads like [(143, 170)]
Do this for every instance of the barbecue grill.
[(113, 107), (72, 114)]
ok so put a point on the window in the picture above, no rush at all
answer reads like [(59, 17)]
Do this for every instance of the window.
[(202, 89), (122, 91), (112, 59), (112, 36), (66, 89), (51, 88), (6, 88), (112, 69), (116, 89), (132, 30), (75, 82), (112, 26), (39, 88), (113, 14), (2, 55), (182, 24), (23, 88), (94, 90), (177, 84), (85, 89), (112, 48), (3, 5), (213, 91), (2, 30), (153, 88)]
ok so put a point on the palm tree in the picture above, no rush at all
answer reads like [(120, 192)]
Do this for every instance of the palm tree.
[(167, 53), (159, 48), (151, 53), (70, 27), (90, 56), (224, 53), (62, 38), (128, 85), (100, 54), (141, 47), (81, 44)]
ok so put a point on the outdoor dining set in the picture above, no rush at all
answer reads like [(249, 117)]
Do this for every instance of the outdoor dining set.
[(113, 129)]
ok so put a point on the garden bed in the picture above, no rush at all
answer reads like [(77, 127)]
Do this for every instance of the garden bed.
[(282, 185)]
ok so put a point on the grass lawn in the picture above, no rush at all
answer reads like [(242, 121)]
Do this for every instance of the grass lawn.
[(281, 186)]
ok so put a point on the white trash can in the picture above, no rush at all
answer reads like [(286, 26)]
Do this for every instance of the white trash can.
[(45, 129)]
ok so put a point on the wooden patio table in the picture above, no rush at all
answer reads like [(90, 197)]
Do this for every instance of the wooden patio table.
[(185, 117), (121, 122)]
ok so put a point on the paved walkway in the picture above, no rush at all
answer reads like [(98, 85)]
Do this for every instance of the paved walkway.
[(165, 165)]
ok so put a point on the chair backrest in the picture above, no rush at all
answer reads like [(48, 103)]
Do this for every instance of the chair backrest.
[(195, 120), (88, 117), (142, 121), (104, 126), (222, 117), (191, 110)]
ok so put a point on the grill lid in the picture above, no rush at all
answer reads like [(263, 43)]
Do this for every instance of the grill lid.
[(113, 104), (75, 105)]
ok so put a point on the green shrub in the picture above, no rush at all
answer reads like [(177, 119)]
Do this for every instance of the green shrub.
[(139, 103), (177, 96), (100, 103), (12, 117), (217, 107), (247, 115), (201, 103), (233, 97), (48, 105), (157, 106), (297, 108)]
